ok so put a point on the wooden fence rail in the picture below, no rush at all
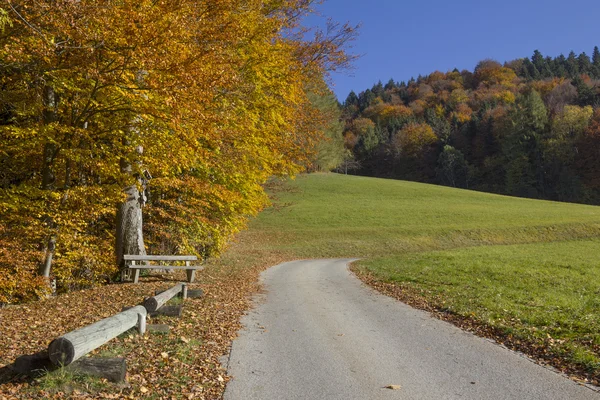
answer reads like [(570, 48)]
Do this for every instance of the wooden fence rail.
[(154, 303), (73, 345)]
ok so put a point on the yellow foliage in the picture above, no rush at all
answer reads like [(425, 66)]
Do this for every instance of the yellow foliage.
[(213, 92), (383, 113), (463, 113), (572, 122), (543, 87), (490, 73), (413, 139), (457, 97)]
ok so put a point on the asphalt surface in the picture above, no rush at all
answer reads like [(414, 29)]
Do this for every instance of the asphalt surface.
[(319, 333)]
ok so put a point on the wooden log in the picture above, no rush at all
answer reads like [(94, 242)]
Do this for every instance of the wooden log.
[(111, 369), (182, 294), (159, 328), (168, 311), (73, 345), (195, 293), (33, 364), (154, 303)]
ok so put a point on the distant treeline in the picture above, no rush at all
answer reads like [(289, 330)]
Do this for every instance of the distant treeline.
[(530, 128)]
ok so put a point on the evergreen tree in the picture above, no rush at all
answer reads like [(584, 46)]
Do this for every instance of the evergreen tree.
[(530, 71), (586, 96), (560, 67), (377, 89), (390, 85), (521, 146), (541, 65), (596, 57), (572, 65), (365, 99), (596, 63), (351, 100), (523, 69), (585, 64), (452, 168)]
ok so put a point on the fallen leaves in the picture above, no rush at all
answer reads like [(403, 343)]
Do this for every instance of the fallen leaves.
[(193, 347)]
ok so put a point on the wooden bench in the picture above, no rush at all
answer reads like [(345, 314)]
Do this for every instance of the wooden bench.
[(131, 264)]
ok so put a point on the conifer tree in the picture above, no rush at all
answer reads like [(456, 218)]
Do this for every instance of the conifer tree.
[(572, 65), (596, 63), (585, 64)]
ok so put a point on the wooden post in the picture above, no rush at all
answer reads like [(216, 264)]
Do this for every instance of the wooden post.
[(73, 345), (154, 303), (184, 291), (191, 275), (136, 273), (141, 324)]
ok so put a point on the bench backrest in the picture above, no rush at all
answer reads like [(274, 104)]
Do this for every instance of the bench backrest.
[(131, 257)]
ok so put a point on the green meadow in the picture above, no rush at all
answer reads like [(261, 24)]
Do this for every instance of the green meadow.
[(528, 268)]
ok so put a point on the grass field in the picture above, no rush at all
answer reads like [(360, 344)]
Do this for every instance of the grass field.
[(527, 268)]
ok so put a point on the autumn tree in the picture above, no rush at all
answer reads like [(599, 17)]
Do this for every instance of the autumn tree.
[(199, 101), (520, 127)]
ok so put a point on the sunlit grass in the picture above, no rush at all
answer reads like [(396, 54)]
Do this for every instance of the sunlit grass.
[(528, 266)]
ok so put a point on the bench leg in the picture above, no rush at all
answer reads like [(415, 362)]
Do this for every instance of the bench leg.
[(184, 290), (191, 275), (126, 275), (136, 275)]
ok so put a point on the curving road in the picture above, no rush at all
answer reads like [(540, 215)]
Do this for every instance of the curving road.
[(319, 333)]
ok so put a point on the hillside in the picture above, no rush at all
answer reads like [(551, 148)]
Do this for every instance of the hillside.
[(520, 270), (527, 127)]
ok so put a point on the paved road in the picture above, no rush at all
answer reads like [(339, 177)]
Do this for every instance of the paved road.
[(319, 333)]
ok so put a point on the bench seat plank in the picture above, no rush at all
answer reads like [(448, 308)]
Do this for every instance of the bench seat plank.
[(194, 267), (135, 257), (132, 259)]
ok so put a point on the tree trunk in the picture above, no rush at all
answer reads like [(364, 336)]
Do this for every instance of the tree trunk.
[(45, 268), (130, 238), (48, 177), (50, 149)]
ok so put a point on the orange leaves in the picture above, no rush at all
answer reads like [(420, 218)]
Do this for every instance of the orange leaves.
[(413, 139), (462, 113), (490, 73), (384, 113)]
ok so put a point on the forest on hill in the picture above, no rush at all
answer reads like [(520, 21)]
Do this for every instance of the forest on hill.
[(183, 108), (528, 127)]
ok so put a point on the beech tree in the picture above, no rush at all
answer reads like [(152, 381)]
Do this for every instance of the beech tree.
[(200, 101)]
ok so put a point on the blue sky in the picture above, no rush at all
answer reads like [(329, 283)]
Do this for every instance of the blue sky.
[(401, 39)]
